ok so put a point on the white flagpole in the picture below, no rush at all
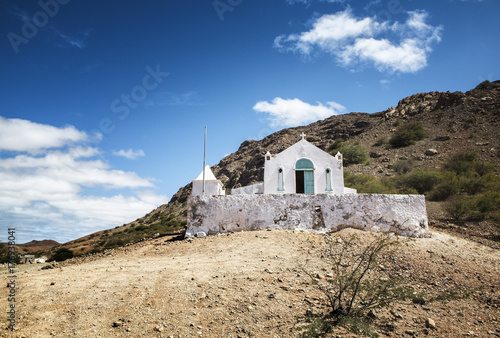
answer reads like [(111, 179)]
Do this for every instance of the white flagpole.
[(204, 155)]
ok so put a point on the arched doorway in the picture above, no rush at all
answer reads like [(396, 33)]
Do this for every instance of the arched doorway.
[(304, 176)]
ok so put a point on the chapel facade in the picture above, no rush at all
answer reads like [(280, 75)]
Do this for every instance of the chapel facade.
[(304, 169)]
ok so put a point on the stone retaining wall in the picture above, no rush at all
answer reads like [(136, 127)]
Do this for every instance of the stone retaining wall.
[(401, 214), (257, 188)]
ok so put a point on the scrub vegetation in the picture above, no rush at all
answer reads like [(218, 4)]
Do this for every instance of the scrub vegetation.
[(352, 151), (407, 135), (469, 186), (160, 225), (362, 283), (359, 283), (61, 254)]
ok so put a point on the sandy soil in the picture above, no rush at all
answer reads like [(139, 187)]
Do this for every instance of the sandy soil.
[(241, 285)]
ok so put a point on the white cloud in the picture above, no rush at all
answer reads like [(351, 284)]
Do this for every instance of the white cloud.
[(24, 135), (398, 47), (291, 113), (385, 83), (44, 185), (407, 57), (130, 154), (70, 41)]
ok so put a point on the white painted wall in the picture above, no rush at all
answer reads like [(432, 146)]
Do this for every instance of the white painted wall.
[(211, 188), (401, 214), (287, 160), (257, 188)]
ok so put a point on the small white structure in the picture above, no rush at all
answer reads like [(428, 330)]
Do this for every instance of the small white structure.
[(42, 259), (25, 259), (212, 185), (304, 169)]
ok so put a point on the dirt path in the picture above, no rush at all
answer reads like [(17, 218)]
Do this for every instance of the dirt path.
[(243, 284)]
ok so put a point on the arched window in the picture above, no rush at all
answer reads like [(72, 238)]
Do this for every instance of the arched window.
[(304, 164), (281, 180), (328, 173)]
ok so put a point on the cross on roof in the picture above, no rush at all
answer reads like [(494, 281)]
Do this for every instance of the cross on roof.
[(303, 136)]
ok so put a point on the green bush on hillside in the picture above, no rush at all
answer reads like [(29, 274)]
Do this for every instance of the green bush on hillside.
[(486, 203), (461, 163), (366, 184), (335, 146), (423, 180), (474, 208), (352, 151), (62, 254), (484, 168), (473, 185), (404, 166), (408, 134), (447, 187)]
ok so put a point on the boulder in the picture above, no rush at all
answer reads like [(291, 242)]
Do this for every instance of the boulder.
[(431, 324)]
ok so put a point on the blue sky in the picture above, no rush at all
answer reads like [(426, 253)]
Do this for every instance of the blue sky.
[(103, 103)]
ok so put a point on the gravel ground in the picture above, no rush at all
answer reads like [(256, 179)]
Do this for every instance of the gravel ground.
[(247, 284)]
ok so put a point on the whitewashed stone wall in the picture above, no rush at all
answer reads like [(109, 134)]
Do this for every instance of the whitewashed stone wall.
[(257, 188), (401, 214), (211, 188)]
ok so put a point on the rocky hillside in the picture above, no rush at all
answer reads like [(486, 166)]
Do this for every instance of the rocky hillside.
[(453, 122)]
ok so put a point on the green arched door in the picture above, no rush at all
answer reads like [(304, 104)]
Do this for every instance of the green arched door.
[(304, 176)]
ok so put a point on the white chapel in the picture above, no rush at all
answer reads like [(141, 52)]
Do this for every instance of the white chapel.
[(300, 169), (304, 169)]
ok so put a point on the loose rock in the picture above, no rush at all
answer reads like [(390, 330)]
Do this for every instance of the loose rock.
[(430, 323)]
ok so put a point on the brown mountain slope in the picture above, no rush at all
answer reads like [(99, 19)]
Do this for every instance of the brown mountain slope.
[(35, 243), (35, 247), (453, 122)]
